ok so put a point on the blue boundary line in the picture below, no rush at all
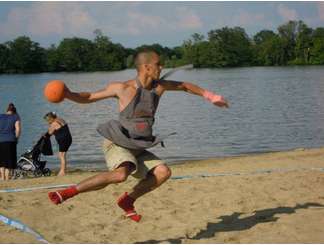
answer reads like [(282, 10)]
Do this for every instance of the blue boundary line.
[(20, 226), (203, 175), (263, 171), (35, 188)]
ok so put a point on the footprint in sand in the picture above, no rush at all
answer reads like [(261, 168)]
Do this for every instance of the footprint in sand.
[(99, 226), (71, 207), (10, 199), (57, 239), (168, 202), (35, 203)]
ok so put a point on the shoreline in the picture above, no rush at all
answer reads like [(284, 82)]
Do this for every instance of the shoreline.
[(254, 206), (203, 160)]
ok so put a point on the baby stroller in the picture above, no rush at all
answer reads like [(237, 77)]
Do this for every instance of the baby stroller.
[(30, 165)]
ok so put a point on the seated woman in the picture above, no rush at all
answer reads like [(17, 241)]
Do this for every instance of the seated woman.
[(60, 129)]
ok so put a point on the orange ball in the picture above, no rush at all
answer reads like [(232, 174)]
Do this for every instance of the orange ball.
[(54, 91)]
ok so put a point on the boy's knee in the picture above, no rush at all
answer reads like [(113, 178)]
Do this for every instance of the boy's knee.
[(162, 171), (120, 176)]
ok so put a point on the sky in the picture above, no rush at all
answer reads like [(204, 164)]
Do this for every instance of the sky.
[(136, 23)]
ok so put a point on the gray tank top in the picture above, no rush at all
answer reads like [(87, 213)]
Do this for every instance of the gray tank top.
[(133, 130)]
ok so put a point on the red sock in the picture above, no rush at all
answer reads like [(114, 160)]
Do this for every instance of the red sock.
[(127, 204), (60, 196)]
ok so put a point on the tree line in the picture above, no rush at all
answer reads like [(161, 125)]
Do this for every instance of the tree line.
[(294, 43)]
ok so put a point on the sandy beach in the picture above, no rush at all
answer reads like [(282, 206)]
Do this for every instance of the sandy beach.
[(262, 198)]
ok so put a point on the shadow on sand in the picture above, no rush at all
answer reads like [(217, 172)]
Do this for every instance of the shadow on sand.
[(233, 222)]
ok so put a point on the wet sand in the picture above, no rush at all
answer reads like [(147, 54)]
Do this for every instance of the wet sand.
[(262, 198)]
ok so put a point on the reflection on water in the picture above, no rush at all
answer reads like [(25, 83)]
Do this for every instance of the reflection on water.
[(271, 109)]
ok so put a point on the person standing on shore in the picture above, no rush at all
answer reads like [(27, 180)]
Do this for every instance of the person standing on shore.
[(59, 128), (127, 139), (10, 130)]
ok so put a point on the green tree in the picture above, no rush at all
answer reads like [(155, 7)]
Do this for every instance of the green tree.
[(107, 55), (4, 54), (209, 55), (288, 33), (53, 59), (234, 46), (75, 54), (274, 52), (317, 51), (304, 43), (263, 36), (25, 56), (194, 50), (264, 43), (176, 57)]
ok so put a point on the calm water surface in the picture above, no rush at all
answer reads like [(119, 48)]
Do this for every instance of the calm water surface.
[(272, 109)]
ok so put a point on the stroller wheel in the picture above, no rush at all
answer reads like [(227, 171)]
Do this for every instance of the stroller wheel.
[(18, 174), (38, 173), (47, 172)]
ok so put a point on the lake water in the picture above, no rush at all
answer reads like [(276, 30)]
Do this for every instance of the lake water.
[(271, 109)]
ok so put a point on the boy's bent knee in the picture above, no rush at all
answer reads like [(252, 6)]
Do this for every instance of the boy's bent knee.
[(121, 173), (162, 171), (119, 176)]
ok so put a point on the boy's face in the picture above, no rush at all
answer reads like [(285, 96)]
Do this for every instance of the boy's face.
[(154, 68)]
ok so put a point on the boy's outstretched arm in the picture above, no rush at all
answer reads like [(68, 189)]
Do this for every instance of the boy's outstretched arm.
[(188, 87), (111, 91)]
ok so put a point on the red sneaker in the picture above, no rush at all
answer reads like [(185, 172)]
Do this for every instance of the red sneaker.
[(126, 203), (60, 196)]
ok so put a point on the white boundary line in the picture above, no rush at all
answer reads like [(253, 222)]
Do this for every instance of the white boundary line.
[(20, 226)]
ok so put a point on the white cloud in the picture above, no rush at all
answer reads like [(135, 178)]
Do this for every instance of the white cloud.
[(43, 19), (244, 18), (187, 19), (137, 22), (286, 13), (13, 24)]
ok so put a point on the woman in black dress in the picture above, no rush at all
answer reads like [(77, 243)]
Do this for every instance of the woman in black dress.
[(59, 128), (10, 130)]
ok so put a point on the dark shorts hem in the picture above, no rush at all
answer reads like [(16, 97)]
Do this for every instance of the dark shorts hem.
[(8, 155), (64, 145)]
